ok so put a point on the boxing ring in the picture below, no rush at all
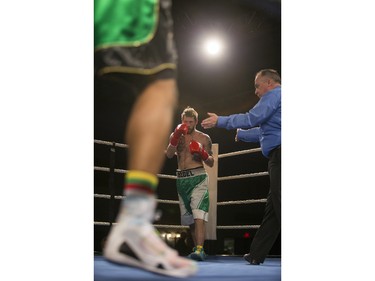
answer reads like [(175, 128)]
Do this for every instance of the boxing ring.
[(215, 267)]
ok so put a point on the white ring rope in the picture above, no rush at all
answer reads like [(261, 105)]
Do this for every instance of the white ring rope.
[(111, 143), (247, 151), (106, 196), (238, 202), (251, 201), (186, 227), (237, 226), (122, 171), (242, 176)]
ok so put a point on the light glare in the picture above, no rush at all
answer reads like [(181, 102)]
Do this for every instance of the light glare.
[(213, 47)]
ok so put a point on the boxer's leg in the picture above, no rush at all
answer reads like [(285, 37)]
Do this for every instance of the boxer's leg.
[(149, 126), (133, 240), (199, 206)]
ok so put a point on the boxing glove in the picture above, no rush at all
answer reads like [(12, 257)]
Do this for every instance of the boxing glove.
[(197, 148), (180, 130)]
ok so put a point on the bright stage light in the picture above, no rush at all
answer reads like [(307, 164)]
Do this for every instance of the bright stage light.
[(213, 47)]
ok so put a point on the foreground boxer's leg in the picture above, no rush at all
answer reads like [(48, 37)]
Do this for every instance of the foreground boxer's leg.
[(133, 240)]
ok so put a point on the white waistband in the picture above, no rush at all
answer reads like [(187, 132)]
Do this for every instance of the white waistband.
[(190, 172)]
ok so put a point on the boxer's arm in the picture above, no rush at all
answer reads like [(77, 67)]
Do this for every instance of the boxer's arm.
[(180, 130), (208, 146), (171, 150), (200, 149)]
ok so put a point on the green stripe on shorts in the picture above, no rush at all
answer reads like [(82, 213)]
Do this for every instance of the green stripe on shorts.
[(187, 186)]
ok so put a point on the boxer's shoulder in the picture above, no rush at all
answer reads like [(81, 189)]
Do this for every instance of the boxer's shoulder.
[(201, 136)]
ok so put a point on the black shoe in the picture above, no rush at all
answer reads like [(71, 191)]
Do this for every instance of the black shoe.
[(248, 258)]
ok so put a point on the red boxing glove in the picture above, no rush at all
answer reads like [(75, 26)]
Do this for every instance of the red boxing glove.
[(180, 130), (197, 148)]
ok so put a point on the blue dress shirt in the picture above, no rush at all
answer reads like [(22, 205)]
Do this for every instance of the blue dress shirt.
[(263, 122)]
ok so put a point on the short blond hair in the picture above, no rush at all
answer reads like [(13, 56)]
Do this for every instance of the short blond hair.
[(189, 112)]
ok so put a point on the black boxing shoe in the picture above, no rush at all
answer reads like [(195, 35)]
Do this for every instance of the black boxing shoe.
[(252, 261)]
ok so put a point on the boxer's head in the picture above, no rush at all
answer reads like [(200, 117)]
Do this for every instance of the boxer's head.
[(190, 117)]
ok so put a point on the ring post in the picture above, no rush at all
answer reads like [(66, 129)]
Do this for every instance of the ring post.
[(111, 182), (212, 189)]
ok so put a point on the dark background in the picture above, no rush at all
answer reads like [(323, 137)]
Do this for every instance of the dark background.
[(252, 34)]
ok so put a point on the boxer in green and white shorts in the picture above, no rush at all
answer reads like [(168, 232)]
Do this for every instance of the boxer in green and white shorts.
[(192, 188), (194, 154)]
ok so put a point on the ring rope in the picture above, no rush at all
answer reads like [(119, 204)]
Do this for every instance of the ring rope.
[(251, 175), (237, 226), (122, 171), (250, 201), (246, 151), (238, 202), (106, 196), (184, 226), (239, 152), (111, 143)]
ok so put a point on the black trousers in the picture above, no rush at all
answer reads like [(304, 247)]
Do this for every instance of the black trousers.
[(271, 224)]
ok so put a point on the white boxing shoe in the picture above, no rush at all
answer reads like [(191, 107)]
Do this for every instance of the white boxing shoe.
[(134, 241)]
